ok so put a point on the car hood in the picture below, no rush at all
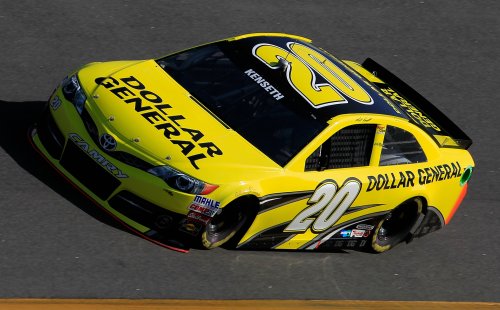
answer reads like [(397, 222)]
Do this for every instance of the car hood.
[(152, 116)]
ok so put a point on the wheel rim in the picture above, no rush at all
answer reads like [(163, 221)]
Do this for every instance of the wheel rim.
[(397, 225), (223, 226)]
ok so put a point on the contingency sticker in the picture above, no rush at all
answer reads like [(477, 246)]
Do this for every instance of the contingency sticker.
[(202, 209)]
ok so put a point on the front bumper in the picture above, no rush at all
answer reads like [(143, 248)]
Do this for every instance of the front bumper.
[(141, 201)]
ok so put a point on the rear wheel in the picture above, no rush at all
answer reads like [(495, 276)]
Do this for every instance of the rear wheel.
[(397, 225), (223, 226)]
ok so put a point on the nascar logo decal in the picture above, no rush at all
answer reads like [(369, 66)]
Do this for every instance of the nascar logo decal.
[(305, 66)]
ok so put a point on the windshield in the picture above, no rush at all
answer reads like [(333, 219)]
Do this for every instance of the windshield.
[(256, 103)]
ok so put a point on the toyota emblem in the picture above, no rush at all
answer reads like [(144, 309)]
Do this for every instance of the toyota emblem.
[(108, 143)]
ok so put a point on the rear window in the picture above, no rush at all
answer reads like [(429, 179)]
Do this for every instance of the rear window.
[(400, 147)]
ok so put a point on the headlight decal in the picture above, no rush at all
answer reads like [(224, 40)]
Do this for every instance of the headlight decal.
[(73, 92), (181, 181)]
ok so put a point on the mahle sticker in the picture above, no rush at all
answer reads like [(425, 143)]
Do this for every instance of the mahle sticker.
[(205, 206)]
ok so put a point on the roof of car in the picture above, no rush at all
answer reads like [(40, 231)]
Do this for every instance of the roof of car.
[(335, 84)]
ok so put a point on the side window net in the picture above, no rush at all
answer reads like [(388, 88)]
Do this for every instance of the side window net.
[(349, 147), (400, 147)]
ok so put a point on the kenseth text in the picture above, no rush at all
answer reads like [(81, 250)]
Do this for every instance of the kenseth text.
[(152, 107), (264, 84)]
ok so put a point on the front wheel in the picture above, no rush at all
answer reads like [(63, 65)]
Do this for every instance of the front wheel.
[(223, 226), (397, 225)]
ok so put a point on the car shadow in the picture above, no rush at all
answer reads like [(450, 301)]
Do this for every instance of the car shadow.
[(15, 120)]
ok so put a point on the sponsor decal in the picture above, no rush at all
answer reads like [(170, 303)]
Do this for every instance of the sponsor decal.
[(411, 110), (205, 206), (194, 216), (345, 233), (408, 178), (55, 103), (380, 129), (357, 233), (96, 156), (365, 226), (264, 84), (107, 142), (191, 142), (390, 181), (202, 209), (439, 173)]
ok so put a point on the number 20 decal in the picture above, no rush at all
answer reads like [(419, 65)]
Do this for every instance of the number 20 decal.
[(332, 204), (305, 65)]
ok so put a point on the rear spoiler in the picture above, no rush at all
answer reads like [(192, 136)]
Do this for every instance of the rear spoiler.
[(418, 109)]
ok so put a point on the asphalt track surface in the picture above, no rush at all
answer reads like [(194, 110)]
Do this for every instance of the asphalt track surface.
[(55, 243)]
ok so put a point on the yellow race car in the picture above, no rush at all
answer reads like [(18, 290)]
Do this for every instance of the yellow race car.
[(261, 141)]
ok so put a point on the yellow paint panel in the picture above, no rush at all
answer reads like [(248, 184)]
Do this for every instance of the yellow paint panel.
[(270, 34), (274, 217), (378, 143), (445, 140)]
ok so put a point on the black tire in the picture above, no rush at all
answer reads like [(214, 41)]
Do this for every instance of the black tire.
[(397, 225), (224, 226)]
